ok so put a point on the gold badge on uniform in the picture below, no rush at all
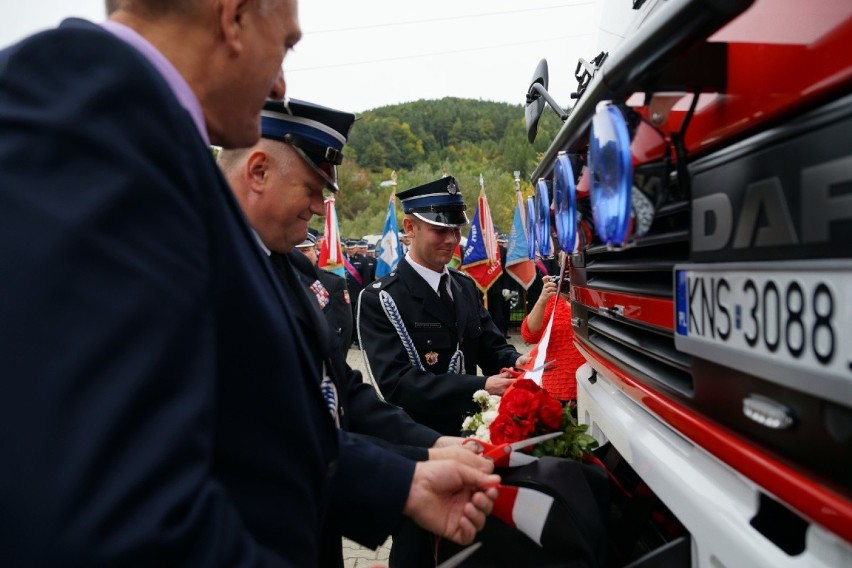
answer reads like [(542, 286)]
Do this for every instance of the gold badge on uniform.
[(431, 358)]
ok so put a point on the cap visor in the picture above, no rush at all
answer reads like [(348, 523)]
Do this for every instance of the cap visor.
[(329, 174), (443, 218)]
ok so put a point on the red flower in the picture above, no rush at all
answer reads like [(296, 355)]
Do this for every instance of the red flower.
[(550, 413), (505, 430), (524, 384), (520, 403)]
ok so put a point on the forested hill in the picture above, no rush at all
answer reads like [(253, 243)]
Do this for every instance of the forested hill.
[(426, 139)]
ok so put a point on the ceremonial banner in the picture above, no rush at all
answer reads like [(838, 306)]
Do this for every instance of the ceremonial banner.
[(331, 256), (518, 264), (388, 249), (482, 255)]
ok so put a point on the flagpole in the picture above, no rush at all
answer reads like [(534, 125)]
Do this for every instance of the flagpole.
[(485, 238), (519, 203)]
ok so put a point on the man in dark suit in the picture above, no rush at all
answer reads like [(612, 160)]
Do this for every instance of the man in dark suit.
[(424, 332), (331, 295), (156, 402)]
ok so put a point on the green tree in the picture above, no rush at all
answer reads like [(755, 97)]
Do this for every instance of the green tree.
[(427, 139)]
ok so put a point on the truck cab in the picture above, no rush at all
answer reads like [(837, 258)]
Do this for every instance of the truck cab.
[(704, 184)]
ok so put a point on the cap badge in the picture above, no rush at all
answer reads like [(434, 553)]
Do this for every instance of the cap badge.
[(452, 188), (431, 358)]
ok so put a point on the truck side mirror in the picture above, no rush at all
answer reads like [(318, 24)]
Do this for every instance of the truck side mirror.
[(537, 95)]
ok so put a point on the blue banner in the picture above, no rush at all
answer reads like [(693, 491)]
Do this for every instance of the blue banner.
[(388, 249), (476, 261), (474, 250), (518, 264)]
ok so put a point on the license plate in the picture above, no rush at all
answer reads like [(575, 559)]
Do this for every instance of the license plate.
[(789, 323)]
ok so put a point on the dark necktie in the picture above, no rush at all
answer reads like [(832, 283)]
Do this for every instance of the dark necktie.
[(444, 293)]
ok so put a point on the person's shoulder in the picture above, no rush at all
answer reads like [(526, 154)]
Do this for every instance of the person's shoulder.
[(299, 261), (330, 278), (75, 38), (384, 283), (461, 277), (457, 272), (71, 33)]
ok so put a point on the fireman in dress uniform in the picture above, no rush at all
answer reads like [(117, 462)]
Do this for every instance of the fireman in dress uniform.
[(332, 297), (369, 263), (424, 331), (355, 280), (423, 351), (270, 182)]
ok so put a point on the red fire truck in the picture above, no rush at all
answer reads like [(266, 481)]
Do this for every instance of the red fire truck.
[(707, 169)]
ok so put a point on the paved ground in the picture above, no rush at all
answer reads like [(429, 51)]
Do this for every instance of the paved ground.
[(355, 556)]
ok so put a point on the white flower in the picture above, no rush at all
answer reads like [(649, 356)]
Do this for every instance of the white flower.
[(488, 416), (481, 397), (479, 422), (483, 433)]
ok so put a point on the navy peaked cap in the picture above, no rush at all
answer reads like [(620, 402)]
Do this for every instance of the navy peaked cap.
[(317, 133), (438, 202), (310, 241)]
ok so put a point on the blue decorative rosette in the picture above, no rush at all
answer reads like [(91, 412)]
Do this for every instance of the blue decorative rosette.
[(531, 226), (611, 171), (542, 217), (565, 203)]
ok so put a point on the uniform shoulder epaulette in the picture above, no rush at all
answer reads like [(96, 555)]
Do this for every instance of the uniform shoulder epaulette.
[(382, 282), (460, 273)]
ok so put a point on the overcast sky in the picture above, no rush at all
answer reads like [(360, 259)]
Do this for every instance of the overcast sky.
[(357, 55)]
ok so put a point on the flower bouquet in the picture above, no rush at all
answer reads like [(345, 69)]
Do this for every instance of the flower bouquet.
[(549, 509), (526, 410)]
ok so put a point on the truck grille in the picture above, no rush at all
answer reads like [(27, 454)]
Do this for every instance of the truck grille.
[(616, 332)]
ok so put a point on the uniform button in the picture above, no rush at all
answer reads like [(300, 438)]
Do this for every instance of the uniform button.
[(428, 342), (332, 469)]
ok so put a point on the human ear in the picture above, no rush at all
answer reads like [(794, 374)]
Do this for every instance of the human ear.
[(232, 23), (257, 170)]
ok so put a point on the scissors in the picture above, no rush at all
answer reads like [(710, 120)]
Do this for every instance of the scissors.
[(543, 367), (501, 454), (459, 557), (517, 371)]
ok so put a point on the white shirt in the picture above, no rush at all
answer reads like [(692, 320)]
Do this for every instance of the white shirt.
[(430, 276)]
